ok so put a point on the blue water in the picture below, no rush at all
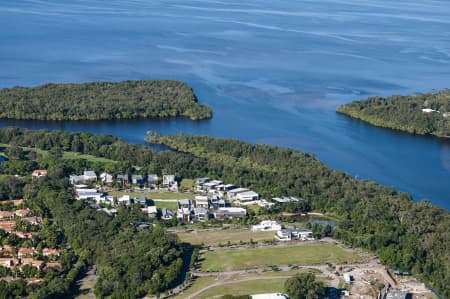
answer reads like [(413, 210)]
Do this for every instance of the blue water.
[(273, 71)]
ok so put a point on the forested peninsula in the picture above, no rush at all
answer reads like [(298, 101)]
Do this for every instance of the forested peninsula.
[(103, 101), (422, 114)]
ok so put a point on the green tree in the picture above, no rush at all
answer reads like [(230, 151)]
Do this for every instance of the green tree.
[(304, 286)]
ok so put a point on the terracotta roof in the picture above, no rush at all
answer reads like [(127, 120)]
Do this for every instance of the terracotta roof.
[(22, 212), (31, 261), (15, 202), (39, 172), (6, 214), (50, 251), (8, 226), (53, 265), (25, 251), (23, 235), (33, 220)]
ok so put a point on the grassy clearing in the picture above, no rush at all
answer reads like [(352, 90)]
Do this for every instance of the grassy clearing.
[(211, 238), (66, 155), (273, 285), (306, 254), (200, 283), (90, 158), (249, 283), (166, 204)]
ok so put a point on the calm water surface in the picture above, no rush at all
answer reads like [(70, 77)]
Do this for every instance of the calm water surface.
[(273, 71)]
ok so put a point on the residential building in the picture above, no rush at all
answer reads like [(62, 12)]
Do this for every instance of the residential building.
[(124, 200), (90, 176), (267, 225), (151, 211), (136, 179), (76, 179), (23, 235), (168, 180), (22, 213), (123, 180), (26, 252), (140, 200), (6, 250), (184, 211), (201, 214), (152, 181), (8, 225), (247, 196), (348, 278), (397, 294), (231, 194), (51, 252), (294, 234), (106, 178), (201, 202), (32, 262), (35, 220), (230, 213), (167, 214), (287, 199), (8, 262), (39, 173), (6, 215)]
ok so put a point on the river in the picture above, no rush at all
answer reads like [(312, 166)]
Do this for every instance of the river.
[(273, 71)]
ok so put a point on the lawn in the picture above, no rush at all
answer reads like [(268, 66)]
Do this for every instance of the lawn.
[(66, 155), (199, 283), (172, 205), (74, 156), (216, 237), (250, 283), (248, 258), (273, 285)]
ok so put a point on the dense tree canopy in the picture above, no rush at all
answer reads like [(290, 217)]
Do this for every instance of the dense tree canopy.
[(405, 113), (304, 286), (102, 100)]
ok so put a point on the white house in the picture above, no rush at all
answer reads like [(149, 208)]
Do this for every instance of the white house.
[(184, 209), (267, 225), (124, 200), (294, 234), (201, 202), (348, 278), (90, 176), (287, 199), (234, 192), (168, 180), (428, 110), (201, 214), (106, 178), (151, 211), (247, 196)]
